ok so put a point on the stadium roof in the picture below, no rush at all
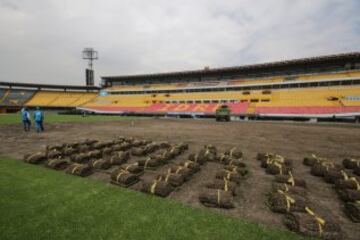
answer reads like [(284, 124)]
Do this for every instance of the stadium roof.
[(296, 63), (47, 86)]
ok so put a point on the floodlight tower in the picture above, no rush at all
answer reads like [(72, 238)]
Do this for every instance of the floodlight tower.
[(91, 55)]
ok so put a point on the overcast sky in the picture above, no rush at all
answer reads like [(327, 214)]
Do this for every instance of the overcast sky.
[(41, 40)]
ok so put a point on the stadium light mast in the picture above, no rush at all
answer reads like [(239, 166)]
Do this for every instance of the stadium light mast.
[(91, 55)]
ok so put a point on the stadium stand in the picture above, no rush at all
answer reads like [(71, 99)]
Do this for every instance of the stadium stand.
[(3, 93), (60, 99), (319, 87), (16, 97), (322, 87), (289, 101)]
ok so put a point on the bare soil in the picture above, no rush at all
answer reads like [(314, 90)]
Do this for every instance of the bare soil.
[(292, 140)]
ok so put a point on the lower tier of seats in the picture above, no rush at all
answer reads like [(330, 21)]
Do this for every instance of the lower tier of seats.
[(236, 109), (308, 110)]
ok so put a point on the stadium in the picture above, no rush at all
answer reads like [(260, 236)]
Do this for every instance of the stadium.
[(203, 120), (313, 88), (142, 152)]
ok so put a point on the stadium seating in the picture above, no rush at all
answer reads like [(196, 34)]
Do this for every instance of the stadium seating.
[(16, 97), (236, 108), (60, 99), (319, 100), (3, 93), (335, 100), (275, 79), (297, 98), (347, 74), (306, 110)]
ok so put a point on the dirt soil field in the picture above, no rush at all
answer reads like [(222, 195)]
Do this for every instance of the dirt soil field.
[(292, 140)]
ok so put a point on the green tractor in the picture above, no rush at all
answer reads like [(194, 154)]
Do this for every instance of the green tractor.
[(223, 113)]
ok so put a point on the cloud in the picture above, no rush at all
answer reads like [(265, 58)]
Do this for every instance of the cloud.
[(41, 41)]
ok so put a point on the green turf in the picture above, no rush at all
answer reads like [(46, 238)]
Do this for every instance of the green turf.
[(39, 203), (56, 118)]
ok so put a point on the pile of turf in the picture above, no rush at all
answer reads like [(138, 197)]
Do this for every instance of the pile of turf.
[(217, 198)]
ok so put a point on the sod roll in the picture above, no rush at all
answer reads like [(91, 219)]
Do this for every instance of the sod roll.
[(138, 151), (122, 177), (195, 157), (312, 225), (351, 163), (35, 158), (80, 157), (183, 146), (294, 190), (223, 184), (320, 169), (190, 164), (157, 187), (164, 144), (350, 183), (54, 154), (349, 195), (357, 171), (174, 179), (149, 163), (120, 157), (81, 170), (152, 147), (225, 159), (94, 154), (208, 154), (352, 209), (243, 171), (283, 202), (183, 171), (124, 146), (83, 148), (133, 168), (276, 168), (234, 152), (57, 164), (68, 151), (57, 147), (333, 175), (228, 175), (99, 164), (106, 151), (217, 198), (290, 180), (272, 159)]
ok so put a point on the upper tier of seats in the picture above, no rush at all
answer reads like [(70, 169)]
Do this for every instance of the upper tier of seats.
[(60, 99), (277, 79)]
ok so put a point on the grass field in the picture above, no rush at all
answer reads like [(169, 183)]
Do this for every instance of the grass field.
[(37, 203), (56, 118)]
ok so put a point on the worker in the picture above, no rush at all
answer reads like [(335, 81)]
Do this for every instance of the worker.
[(25, 117), (39, 118)]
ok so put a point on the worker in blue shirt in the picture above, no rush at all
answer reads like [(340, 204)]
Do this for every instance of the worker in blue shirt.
[(39, 118), (25, 117)]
